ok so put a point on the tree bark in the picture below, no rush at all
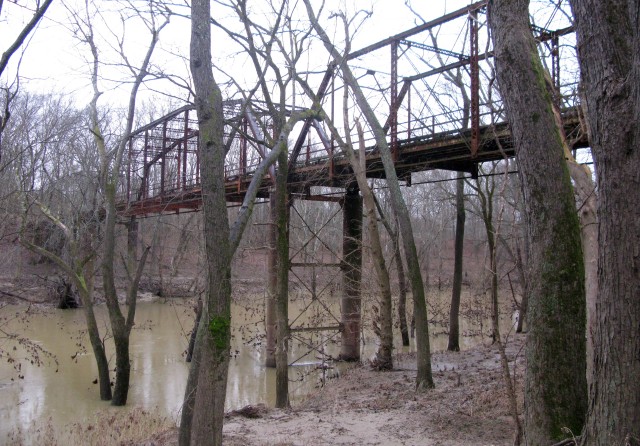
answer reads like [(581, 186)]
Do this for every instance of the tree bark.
[(454, 322), (282, 295), (192, 336), (524, 302), (608, 39), (85, 284), (585, 192), (402, 297), (272, 283), (207, 382), (555, 383)]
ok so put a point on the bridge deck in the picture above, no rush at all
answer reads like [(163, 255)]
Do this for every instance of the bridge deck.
[(446, 150)]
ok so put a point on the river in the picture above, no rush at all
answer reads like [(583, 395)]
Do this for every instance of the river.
[(65, 391)]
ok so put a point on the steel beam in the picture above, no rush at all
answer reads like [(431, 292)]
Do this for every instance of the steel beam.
[(418, 29), (351, 275)]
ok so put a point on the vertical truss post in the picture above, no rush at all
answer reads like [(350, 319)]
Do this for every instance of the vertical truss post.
[(409, 112), (129, 168), (186, 148), (475, 83), (333, 114), (243, 147), (242, 171), (163, 157), (179, 148), (555, 61), (351, 274), (393, 112), (145, 169)]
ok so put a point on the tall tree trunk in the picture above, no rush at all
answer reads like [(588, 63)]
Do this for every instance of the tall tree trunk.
[(272, 282), (524, 302), (123, 367), (608, 34), (86, 297), (192, 336), (424, 376), (282, 295), (116, 318), (555, 384), (454, 322), (585, 191), (186, 415), (208, 385), (383, 323), (402, 297)]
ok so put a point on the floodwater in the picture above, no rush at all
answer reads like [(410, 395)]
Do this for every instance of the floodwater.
[(65, 391)]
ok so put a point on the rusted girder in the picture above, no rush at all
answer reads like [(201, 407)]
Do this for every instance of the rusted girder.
[(394, 104), (418, 29), (322, 89), (475, 83)]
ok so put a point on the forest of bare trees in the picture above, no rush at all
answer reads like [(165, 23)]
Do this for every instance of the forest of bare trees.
[(300, 174)]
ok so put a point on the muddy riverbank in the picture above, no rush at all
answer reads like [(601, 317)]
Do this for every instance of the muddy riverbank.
[(468, 407)]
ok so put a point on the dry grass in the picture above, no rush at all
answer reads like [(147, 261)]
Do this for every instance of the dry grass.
[(115, 426)]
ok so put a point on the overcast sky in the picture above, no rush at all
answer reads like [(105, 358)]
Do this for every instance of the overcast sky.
[(56, 61)]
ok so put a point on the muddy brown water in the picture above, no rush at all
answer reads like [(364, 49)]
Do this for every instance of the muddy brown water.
[(65, 392)]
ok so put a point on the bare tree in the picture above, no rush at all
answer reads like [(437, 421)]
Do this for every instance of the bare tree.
[(424, 378), (485, 190), (9, 93), (48, 146), (155, 19), (454, 318), (203, 408)]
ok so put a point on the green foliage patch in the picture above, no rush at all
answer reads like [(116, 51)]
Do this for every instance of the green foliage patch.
[(220, 330)]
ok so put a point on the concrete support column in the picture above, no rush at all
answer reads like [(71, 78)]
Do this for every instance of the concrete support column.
[(351, 274)]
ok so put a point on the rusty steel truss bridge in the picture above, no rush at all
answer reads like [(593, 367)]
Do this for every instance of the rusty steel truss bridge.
[(437, 102), (433, 90)]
